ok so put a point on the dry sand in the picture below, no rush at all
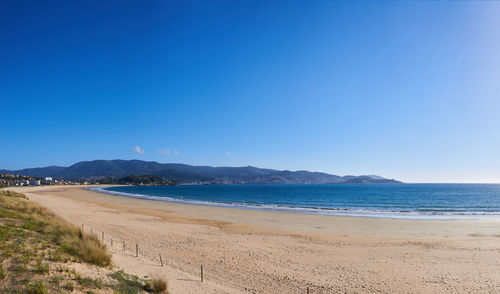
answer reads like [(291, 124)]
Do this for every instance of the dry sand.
[(249, 251)]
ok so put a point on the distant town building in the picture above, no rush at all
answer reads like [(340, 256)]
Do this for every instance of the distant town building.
[(48, 180), (21, 182)]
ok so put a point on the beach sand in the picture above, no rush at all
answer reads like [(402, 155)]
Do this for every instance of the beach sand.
[(252, 251)]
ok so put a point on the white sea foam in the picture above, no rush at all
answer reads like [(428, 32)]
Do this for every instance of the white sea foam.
[(313, 210)]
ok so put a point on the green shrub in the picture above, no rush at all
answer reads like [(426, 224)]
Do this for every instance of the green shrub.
[(41, 268), (129, 284), (88, 282), (36, 288), (69, 286), (56, 280)]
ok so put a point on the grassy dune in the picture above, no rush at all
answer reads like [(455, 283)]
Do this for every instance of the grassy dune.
[(38, 249)]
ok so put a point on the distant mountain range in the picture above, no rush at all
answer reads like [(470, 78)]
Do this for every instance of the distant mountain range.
[(183, 173)]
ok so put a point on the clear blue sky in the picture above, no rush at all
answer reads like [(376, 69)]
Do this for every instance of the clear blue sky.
[(406, 90)]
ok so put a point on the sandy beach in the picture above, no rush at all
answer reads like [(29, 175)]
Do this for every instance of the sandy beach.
[(252, 251)]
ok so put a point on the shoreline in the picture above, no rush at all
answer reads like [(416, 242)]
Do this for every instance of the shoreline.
[(391, 214), (256, 251)]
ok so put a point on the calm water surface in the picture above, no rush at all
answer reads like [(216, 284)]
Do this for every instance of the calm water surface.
[(382, 200)]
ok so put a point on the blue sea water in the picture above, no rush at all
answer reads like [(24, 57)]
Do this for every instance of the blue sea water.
[(376, 200)]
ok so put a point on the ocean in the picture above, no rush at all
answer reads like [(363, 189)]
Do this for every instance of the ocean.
[(372, 200)]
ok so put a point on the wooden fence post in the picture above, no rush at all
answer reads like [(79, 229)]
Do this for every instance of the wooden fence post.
[(307, 290), (161, 261), (136, 250), (102, 236), (202, 273)]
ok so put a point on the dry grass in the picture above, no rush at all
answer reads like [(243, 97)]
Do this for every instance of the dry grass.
[(34, 243), (159, 285), (70, 238)]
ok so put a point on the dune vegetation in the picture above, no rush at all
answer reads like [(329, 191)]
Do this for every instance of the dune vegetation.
[(38, 249)]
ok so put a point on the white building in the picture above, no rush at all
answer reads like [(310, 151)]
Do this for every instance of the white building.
[(48, 180), (21, 182)]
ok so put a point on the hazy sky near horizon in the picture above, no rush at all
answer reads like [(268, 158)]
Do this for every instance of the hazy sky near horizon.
[(407, 90)]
